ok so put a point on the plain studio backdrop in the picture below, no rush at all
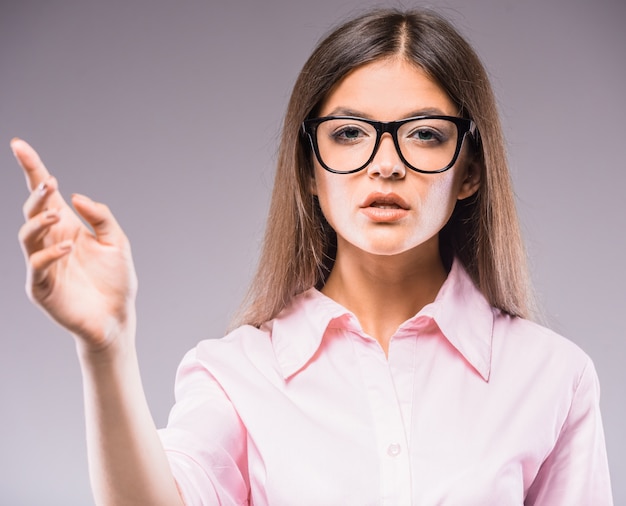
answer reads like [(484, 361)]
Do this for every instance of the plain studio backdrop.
[(170, 113)]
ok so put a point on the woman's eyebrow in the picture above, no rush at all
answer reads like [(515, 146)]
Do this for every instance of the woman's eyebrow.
[(426, 111), (344, 111)]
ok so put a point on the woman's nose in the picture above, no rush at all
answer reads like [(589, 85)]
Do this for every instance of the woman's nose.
[(386, 163)]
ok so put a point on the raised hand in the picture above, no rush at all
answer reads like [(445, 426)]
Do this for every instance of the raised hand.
[(84, 279)]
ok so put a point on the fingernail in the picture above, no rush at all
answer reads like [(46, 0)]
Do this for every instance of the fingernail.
[(42, 188), (11, 144), (65, 245), (83, 198), (50, 214)]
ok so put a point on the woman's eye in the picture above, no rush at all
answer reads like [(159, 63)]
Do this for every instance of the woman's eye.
[(425, 135), (348, 133)]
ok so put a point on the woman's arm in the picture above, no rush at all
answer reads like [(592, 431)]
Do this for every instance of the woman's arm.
[(127, 463), (85, 280), (576, 471)]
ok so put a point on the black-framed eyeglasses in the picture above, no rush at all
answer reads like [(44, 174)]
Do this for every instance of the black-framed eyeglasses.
[(427, 144)]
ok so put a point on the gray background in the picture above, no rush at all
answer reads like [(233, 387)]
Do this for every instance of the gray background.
[(170, 112)]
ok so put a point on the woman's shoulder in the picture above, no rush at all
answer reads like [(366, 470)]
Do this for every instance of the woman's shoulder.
[(279, 345), (245, 340), (538, 348), (533, 333)]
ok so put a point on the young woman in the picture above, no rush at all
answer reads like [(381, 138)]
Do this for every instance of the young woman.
[(384, 355)]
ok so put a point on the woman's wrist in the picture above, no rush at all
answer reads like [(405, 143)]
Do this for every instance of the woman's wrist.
[(115, 345)]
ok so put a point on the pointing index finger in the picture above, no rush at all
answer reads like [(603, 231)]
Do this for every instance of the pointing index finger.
[(34, 169)]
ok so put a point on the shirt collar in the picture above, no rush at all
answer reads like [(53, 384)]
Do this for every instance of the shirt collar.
[(461, 312), (298, 330), (464, 317)]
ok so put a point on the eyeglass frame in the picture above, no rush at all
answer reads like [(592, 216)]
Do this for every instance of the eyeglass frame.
[(464, 126)]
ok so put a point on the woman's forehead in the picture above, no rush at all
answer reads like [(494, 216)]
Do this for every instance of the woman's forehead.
[(386, 90)]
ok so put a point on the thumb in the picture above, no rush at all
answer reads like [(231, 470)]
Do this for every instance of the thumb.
[(100, 219)]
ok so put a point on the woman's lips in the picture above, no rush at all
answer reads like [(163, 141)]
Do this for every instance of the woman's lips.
[(384, 207)]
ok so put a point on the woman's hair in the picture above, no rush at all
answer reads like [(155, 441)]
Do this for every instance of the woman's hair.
[(483, 232)]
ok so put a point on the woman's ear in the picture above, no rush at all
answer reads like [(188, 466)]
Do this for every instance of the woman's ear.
[(471, 181)]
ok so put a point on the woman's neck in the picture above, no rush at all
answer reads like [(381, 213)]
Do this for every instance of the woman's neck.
[(385, 291)]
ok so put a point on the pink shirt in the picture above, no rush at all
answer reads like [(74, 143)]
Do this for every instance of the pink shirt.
[(471, 407)]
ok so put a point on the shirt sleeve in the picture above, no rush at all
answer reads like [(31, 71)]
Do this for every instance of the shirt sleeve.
[(576, 472), (205, 441)]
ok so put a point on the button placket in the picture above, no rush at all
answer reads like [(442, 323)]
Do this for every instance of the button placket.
[(388, 423)]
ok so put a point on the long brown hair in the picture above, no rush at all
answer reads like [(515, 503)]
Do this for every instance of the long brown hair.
[(483, 232)]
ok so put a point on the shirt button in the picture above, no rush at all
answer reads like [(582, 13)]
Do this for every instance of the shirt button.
[(393, 450)]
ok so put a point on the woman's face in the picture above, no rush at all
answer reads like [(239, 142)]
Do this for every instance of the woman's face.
[(387, 209)]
